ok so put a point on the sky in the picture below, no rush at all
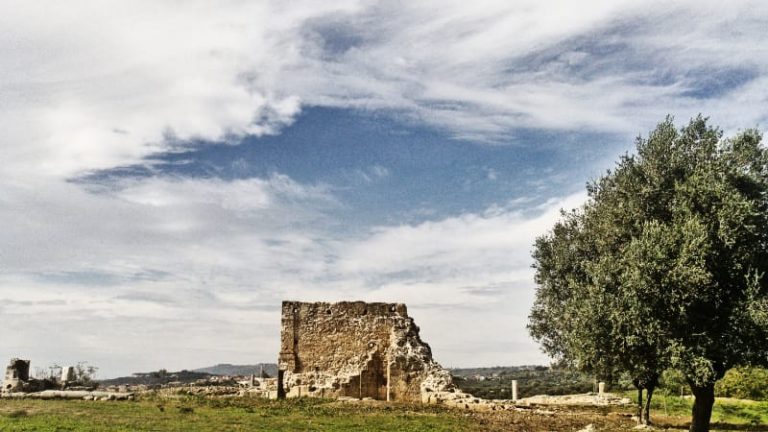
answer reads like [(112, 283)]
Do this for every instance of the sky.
[(171, 171)]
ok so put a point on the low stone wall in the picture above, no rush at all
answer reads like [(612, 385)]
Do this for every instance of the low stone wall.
[(65, 394)]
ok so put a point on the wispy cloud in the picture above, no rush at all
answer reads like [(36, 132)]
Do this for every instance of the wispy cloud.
[(90, 86), (229, 252), (484, 69), (89, 261), (95, 85)]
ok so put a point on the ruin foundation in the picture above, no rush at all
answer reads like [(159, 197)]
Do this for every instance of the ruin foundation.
[(359, 350)]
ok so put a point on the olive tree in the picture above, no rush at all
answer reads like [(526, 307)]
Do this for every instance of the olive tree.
[(664, 266)]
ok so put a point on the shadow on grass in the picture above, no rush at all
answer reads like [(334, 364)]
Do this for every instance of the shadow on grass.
[(714, 426)]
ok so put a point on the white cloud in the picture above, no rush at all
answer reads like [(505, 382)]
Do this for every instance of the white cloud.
[(192, 271), (496, 240), (169, 265), (162, 264), (481, 69), (61, 227), (93, 85)]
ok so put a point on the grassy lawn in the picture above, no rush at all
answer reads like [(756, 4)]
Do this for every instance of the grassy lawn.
[(215, 415), (726, 414), (199, 414), (243, 414), (218, 415)]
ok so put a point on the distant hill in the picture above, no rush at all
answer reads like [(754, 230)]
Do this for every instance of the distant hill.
[(497, 370), (154, 378), (163, 376), (230, 369), (495, 382)]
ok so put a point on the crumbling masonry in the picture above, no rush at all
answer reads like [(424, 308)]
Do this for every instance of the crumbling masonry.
[(16, 375), (357, 349)]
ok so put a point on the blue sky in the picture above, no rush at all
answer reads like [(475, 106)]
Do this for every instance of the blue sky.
[(387, 171), (171, 173)]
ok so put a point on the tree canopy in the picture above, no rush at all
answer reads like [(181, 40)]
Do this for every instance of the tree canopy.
[(665, 264)]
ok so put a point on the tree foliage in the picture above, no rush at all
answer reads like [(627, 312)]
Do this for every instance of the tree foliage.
[(744, 383), (85, 373), (664, 266)]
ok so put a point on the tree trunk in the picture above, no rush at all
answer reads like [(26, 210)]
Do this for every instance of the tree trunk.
[(639, 404), (647, 413), (702, 407)]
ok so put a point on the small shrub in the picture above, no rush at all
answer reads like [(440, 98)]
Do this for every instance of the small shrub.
[(18, 414), (186, 410), (744, 383)]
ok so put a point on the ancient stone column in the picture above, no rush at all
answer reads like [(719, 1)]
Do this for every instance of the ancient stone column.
[(514, 390), (601, 389), (67, 374)]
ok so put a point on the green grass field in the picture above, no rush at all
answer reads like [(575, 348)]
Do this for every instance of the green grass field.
[(217, 415), (235, 414), (244, 414), (727, 414)]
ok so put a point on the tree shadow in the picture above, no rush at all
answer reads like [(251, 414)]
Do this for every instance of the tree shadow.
[(714, 426)]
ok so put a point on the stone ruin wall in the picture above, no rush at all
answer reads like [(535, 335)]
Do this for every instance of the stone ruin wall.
[(16, 375), (356, 349), (367, 350)]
